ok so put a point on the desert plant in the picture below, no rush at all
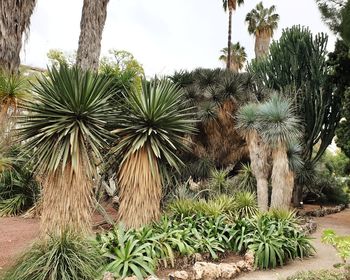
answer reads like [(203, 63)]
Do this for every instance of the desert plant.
[(245, 204), (279, 127), (65, 128), (218, 182), (60, 257), (248, 126), (151, 129), (128, 256), (238, 56)]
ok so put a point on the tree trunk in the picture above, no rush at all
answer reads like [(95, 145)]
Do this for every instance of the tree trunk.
[(92, 22), (259, 153), (140, 190), (262, 45), (66, 202), (228, 62), (14, 21), (297, 195), (282, 179)]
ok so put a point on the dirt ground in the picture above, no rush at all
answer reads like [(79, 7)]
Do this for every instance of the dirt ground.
[(18, 233)]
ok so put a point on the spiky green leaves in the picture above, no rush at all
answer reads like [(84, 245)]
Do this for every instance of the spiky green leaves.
[(274, 121), (157, 118), (67, 119)]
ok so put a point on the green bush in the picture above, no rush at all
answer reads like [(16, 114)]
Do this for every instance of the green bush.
[(274, 237), (340, 243), (59, 258)]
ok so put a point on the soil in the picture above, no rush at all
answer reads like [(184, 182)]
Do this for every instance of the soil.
[(17, 234)]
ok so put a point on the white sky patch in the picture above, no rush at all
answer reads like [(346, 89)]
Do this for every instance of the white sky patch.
[(164, 35)]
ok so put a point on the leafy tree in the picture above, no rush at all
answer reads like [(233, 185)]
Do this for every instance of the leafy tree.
[(58, 57), (262, 22), (230, 6), (64, 129), (345, 25), (14, 22), (331, 12), (297, 66), (343, 131), (238, 56)]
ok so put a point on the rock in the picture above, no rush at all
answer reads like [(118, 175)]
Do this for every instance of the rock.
[(131, 278), (151, 277), (179, 275), (242, 265), (198, 257), (206, 271), (228, 271), (108, 276), (249, 259)]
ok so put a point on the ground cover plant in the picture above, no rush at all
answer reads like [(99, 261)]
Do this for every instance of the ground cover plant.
[(211, 228)]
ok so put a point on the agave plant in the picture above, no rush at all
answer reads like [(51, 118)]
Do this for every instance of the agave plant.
[(279, 127), (65, 129), (151, 129), (248, 125)]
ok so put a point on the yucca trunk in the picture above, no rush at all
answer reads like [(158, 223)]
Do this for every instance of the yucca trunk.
[(259, 152), (262, 44), (92, 22), (14, 21), (282, 179), (140, 189), (66, 201), (228, 62)]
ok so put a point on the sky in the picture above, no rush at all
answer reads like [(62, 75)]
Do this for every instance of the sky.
[(163, 35)]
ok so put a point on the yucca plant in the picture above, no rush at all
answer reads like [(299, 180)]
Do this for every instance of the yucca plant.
[(218, 182), (64, 130), (151, 129), (248, 125), (279, 127), (245, 179), (246, 204), (60, 257), (13, 91)]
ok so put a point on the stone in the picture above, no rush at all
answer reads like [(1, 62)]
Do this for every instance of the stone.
[(108, 276), (131, 278), (249, 259), (198, 257), (242, 265), (228, 271), (206, 271), (180, 274)]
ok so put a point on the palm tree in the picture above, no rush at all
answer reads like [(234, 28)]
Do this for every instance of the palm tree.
[(279, 128), (238, 56), (262, 22), (92, 22), (247, 124), (151, 129), (230, 6), (14, 21), (64, 129)]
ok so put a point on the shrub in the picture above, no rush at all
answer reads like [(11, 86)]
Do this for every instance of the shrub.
[(340, 243), (246, 204), (60, 258)]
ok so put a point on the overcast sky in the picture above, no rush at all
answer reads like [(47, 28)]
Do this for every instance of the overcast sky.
[(164, 35)]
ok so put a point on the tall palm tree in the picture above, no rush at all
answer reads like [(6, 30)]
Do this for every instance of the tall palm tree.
[(279, 128), (14, 21), (247, 124), (262, 22), (237, 55), (65, 129), (92, 22), (230, 6), (151, 129)]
